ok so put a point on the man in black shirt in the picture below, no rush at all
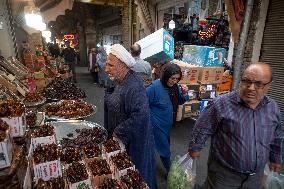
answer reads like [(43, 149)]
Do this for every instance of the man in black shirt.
[(69, 55)]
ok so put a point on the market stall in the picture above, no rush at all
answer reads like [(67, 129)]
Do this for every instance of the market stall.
[(44, 139)]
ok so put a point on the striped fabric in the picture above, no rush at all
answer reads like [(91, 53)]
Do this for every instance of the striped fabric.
[(242, 139)]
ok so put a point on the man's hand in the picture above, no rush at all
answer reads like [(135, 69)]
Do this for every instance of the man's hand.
[(193, 154), (275, 167), (184, 89)]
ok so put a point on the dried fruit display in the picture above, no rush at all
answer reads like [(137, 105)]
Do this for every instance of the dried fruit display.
[(54, 183), (70, 154), (69, 109), (3, 125), (44, 153), (133, 180), (76, 172), (122, 161), (99, 167), (111, 145), (92, 150), (31, 117), (33, 99), (92, 136), (60, 89), (109, 184), (43, 131), (11, 108)]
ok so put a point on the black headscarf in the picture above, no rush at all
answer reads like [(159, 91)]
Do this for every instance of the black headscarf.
[(169, 71)]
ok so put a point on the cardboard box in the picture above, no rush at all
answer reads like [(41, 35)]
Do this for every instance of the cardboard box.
[(204, 56), (17, 125), (191, 109), (226, 84), (190, 73), (211, 75), (207, 91), (157, 47)]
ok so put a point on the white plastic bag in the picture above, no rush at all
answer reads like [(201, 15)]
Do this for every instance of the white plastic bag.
[(182, 173), (274, 179)]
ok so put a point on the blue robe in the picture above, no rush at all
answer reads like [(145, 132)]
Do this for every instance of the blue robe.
[(161, 108), (127, 115)]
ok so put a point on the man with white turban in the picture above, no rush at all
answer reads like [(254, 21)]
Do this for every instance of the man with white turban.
[(127, 114)]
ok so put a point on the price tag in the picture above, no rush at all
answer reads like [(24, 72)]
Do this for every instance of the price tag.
[(212, 94)]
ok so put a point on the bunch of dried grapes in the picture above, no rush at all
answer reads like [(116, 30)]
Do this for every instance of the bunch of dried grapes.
[(31, 117)]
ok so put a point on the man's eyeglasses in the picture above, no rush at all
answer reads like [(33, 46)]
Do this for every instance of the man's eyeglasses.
[(257, 84)]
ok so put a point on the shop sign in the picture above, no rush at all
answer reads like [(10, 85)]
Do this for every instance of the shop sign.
[(68, 36)]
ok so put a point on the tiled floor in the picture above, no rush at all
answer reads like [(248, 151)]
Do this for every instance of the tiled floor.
[(179, 135)]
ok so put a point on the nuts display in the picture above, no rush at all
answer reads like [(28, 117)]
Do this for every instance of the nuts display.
[(133, 180), (69, 109), (54, 183), (76, 172), (11, 108), (109, 184), (44, 153), (99, 167), (33, 97), (111, 145), (70, 154), (43, 131), (31, 117), (122, 161), (61, 89), (92, 150), (91, 136)]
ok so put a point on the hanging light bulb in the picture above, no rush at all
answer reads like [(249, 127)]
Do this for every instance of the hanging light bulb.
[(172, 24)]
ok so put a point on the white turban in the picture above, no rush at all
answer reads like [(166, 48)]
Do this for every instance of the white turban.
[(122, 54)]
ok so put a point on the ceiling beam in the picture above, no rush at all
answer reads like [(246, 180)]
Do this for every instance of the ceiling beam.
[(104, 2)]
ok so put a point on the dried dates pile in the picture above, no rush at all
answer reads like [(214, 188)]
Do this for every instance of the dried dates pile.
[(76, 172), (109, 184), (44, 153), (11, 108), (63, 90), (133, 180), (69, 109), (3, 128), (34, 97)]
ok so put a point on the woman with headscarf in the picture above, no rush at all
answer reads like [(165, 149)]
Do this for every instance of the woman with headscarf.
[(164, 96), (101, 61), (127, 115)]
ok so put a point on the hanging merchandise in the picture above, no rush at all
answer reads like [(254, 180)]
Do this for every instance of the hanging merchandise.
[(219, 9), (188, 20), (202, 20)]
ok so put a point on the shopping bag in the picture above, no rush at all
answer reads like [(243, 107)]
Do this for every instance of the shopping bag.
[(182, 173), (274, 179)]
